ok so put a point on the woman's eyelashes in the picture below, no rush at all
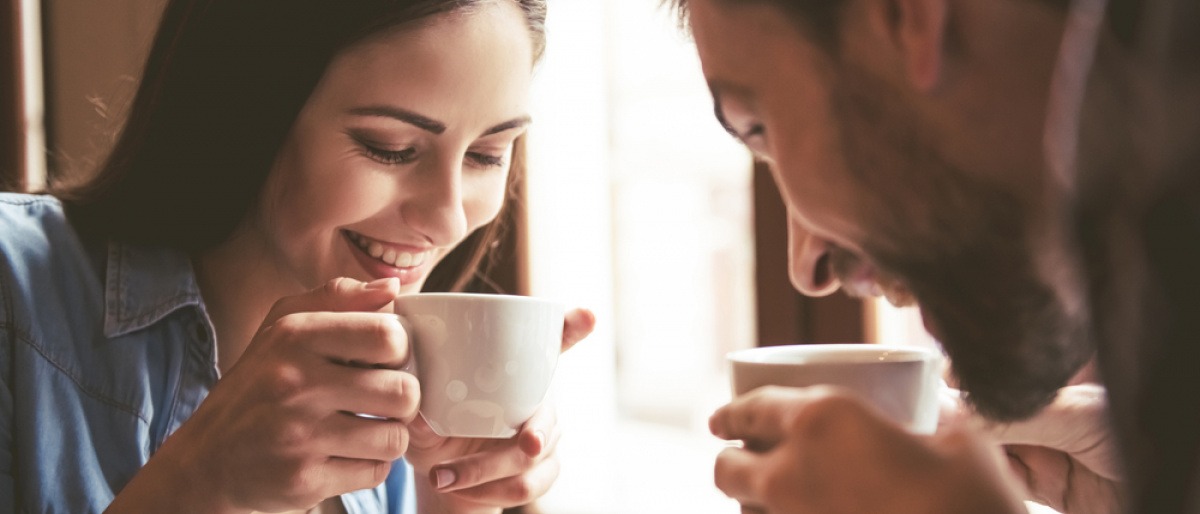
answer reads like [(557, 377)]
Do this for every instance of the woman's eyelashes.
[(486, 160), (380, 155), (475, 158)]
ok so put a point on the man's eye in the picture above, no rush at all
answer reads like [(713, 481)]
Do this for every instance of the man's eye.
[(756, 130)]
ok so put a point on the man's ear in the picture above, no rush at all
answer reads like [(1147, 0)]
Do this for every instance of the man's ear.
[(919, 30)]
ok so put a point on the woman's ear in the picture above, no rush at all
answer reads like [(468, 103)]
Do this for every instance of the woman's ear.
[(919, 29)]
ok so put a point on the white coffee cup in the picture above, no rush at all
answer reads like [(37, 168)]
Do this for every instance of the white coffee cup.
[(902, 382), (484, 361)]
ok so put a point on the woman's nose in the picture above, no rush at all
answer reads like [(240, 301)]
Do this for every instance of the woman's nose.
[(808, 260), (433, 204)]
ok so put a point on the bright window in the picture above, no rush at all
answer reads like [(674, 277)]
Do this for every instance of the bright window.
[(639, 207)]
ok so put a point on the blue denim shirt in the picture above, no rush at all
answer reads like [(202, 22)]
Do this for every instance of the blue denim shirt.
[(104, 352)]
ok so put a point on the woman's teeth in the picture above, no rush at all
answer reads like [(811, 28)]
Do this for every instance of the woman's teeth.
[(388, 256)]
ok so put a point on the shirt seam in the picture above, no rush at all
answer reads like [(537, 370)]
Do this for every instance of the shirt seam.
[(28, 340)]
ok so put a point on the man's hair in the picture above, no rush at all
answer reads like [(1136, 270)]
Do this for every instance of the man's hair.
[(819, 18)]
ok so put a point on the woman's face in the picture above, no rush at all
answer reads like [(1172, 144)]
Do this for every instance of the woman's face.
[(402, 150)]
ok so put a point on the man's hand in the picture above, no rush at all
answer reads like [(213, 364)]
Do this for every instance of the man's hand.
[(820, 450), (1065, 454)]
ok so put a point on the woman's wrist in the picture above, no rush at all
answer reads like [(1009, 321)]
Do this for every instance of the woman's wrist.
[(167, 484)]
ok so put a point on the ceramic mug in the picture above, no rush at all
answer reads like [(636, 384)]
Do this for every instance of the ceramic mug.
[(484, 361), (902, 382)]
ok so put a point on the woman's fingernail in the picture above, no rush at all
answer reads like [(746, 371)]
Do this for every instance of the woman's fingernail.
[(445, 478)]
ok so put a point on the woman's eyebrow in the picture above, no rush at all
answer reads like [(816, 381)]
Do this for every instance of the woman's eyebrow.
[(429, 124), (417, 120), (509, 125)]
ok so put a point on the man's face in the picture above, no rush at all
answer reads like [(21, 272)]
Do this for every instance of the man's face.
[(886, 194)]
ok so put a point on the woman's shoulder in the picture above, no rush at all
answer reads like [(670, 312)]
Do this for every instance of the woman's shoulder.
[(31, 223), (38, 247)]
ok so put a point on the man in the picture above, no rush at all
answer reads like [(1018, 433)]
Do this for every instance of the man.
[(928, 148)]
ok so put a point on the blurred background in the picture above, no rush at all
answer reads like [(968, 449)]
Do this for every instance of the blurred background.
[(637, 205)]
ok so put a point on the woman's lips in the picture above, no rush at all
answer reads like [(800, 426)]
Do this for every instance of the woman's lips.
[(383, 259)]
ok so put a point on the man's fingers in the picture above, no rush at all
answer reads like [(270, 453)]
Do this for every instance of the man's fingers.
[(1075, 423), (760, 416), (1045, 473), (338, 295), (577, 325), (737, 473)]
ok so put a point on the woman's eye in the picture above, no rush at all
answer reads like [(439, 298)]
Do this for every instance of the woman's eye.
[(485, 160), (404, 156)]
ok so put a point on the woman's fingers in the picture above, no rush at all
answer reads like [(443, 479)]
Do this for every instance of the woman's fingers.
[(366, 339), (382, 393), (577, 325), (341, 474), (515, 490), (353, 437), (521, 454), (338, 295)]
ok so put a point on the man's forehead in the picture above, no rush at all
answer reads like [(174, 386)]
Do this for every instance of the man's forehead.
[(734, 38)]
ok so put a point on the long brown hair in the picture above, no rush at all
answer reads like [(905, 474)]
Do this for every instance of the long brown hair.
[(222, 86)]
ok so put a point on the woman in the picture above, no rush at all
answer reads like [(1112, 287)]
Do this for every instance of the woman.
[(288, 167)]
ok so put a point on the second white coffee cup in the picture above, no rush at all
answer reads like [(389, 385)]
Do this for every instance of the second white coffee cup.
[(902, 382)]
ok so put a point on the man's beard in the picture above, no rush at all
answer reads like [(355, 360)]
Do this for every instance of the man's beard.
[(961, 245)]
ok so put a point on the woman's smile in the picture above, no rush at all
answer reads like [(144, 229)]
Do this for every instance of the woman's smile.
[(385, 259)]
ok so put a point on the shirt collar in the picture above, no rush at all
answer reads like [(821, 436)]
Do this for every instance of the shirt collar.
[(145, 284)]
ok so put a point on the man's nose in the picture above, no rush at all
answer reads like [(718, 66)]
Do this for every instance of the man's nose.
[(808, 263), (433, 203)]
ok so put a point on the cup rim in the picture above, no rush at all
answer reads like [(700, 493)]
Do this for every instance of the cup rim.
[(478, 297), (861, 351)]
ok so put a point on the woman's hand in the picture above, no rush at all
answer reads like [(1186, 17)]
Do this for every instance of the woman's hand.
[(820, 449), (483, 475), (1065, 454), (277, 432)]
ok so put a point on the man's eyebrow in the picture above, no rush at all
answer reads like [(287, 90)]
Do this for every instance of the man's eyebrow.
[(409, 117)]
